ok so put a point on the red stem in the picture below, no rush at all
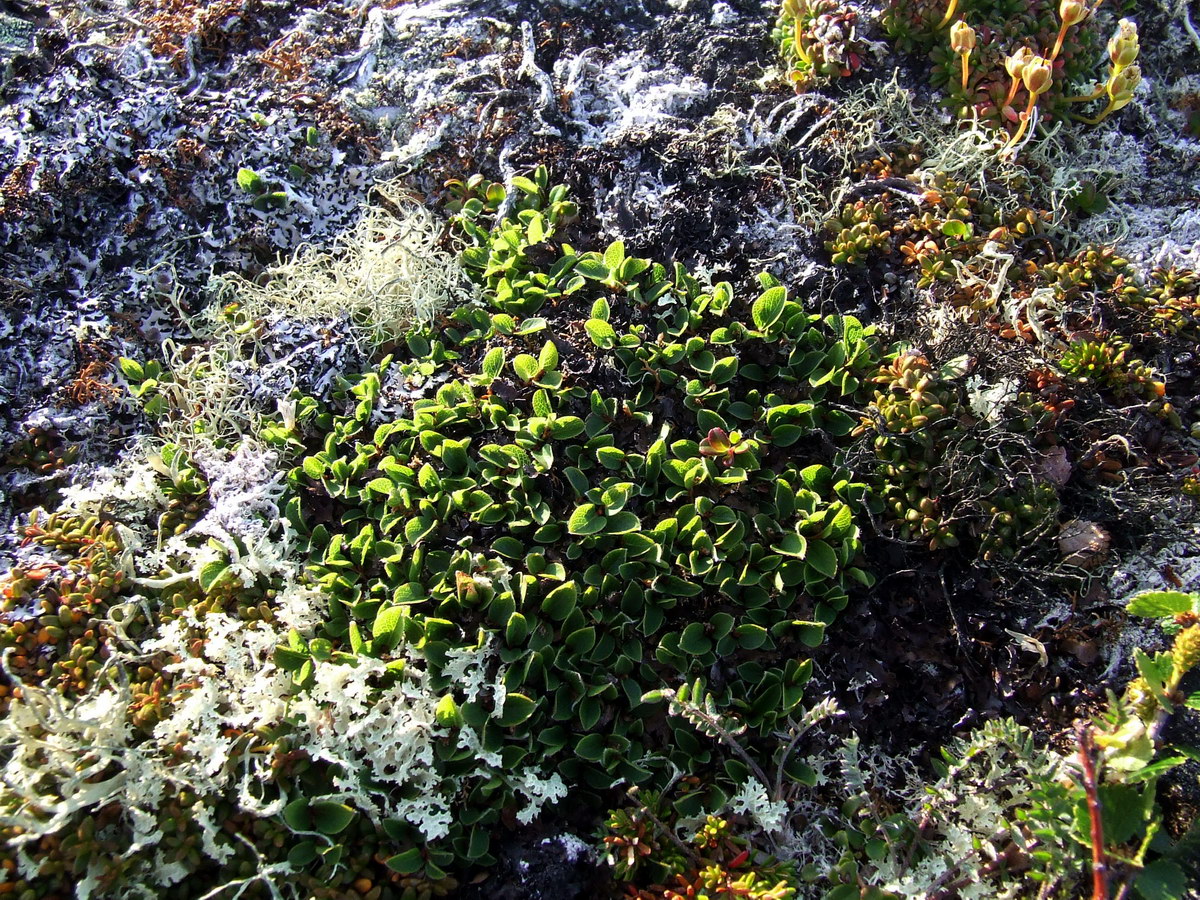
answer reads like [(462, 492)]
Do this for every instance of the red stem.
[(1087, 750)]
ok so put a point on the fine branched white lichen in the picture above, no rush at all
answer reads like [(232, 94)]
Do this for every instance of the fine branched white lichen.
[(383, 275)]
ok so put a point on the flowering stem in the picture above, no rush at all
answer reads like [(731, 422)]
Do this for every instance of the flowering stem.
[(1083, 98), (965, 69), (949, 14), (1024, 123), (1096, 120), (1012, 92), (1062, 36)]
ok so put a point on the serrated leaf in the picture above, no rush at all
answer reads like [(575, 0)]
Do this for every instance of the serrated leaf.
[(1159, 604), (1163, 879)]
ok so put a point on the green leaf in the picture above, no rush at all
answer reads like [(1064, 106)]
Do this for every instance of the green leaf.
[(387, 630), (601, 333), (614, 255), (295, 815), (610, 457), (750, 636), (524, 185), (516, 630), (1123, 817), (213, 572), (329, 817), (1161, 880), (407, 863), (1158, 604), (768, 307), (956, 228), (694, 640), (427, 478), (548, 359), (623, 522), (792, 544), (508, 546), (131, 369), (590, 747), (592, 268), (313, 467), (535, 229), (517, 709), (581, 640), (290, 660), (585, 520), (493, 362), (454, 455), (567, 427), (526, 367), (822, 558), (250, 181), (559, 603), (302, 854)]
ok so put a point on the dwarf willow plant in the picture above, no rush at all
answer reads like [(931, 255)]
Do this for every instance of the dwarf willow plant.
[(632, 498)]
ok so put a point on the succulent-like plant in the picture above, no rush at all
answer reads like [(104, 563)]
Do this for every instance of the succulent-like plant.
[(818, 39)]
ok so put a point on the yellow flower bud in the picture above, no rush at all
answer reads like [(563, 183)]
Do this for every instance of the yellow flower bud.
[(1037, 76), (1072, 12), (1123, 46), (1015, 64), (1186, 652), (1122, 83), (962, 37)]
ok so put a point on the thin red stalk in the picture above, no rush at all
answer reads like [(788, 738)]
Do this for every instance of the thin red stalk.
[(1087, 750)]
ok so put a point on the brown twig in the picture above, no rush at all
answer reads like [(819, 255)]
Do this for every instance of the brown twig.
[(1087, 752)]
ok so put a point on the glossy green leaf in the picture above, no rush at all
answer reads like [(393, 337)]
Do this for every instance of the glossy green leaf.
[(517, 709)]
